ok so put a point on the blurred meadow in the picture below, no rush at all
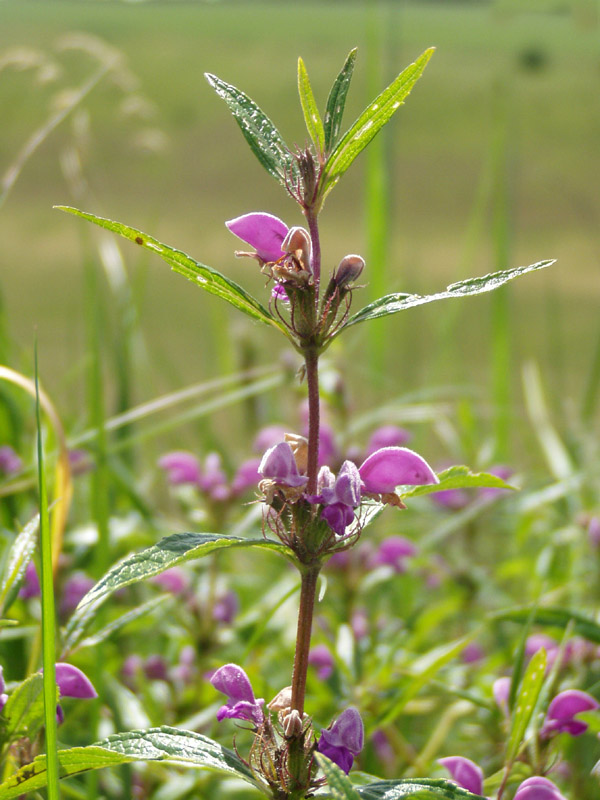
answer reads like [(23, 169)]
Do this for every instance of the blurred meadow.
[(493, 163)]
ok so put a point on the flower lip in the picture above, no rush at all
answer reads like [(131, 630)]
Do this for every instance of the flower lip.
[(389, 467), (72, 682), (232, 681), (279, 464), (344, 740), (466, 773), (264, 232), (563, 709)]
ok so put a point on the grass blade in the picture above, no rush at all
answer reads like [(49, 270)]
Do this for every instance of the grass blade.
[(48, 615)]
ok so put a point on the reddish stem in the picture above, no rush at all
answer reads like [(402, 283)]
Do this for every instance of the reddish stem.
[(308, 591)]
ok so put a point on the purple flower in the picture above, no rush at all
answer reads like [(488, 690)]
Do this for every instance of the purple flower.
[(538, 788), (232, 681), (501, 472), (155, 668), (594, 531), (181, 467), (321, 658), (72, 682), (339, 496), (359, 623), (279, 465), (451, 498), (393, 552), (225, 608), (264, 232), (3, 695), (343, 741), (501, 692), (464, 772), (268, 437), (389, 467), (31, 583), (10, 463), (562, 711), (74, 589), (246, 476), (388, 436), (174, 580), (472, 653)]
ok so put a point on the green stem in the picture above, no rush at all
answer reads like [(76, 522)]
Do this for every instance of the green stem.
[(308, 590)]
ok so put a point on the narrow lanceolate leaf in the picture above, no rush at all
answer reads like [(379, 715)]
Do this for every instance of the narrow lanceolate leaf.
[(531, 686), (339, 785), (370, 122), (459, 477), (554, 617), (18, 557), (205, 277), (416, 789), (263, 137), (312, 118), (337, 100), (169, 552), (168, 745), (393, 303)]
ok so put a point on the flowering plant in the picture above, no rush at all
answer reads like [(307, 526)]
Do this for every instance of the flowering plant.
[(310, 513)]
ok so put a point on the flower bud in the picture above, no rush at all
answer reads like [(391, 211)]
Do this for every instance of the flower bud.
[(292, 724), (349, 269)]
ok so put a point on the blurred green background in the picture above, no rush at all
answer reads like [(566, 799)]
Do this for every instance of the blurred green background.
[(492, 163)]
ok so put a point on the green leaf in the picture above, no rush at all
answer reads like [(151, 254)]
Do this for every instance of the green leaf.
[(314, 125), (531, 686), (205, 277), (393, 303), (416, 789), (554, 617), (263, 137), (169, 552), (337, 100), (168, 745), (370, 123), (423, 670), (458, 477), (338, 783), (24, 709), (17, 559)]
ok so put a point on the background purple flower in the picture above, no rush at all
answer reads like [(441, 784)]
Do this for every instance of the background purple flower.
[(388, 436), (560, 717), (31, 583), (10, 462), (393, 552), (320, 657), (466, 773)]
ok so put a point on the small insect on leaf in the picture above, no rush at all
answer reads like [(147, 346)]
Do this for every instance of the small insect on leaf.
[(139, 240)]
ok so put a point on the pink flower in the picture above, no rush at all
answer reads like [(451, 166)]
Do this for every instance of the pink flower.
[(562, 711), (464, 772), (72, 682), (279, 464), (264, 232), (10, 462), (181, 467), (393, 552), (321, 658), (388, 436), (232, 681), (389, 467), (538, 788)]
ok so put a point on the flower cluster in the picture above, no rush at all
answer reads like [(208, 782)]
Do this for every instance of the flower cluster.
[(338, 497)]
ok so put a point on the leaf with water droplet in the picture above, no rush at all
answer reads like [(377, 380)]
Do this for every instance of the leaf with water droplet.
[(337, 100), (263, 137), (370, 122)]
